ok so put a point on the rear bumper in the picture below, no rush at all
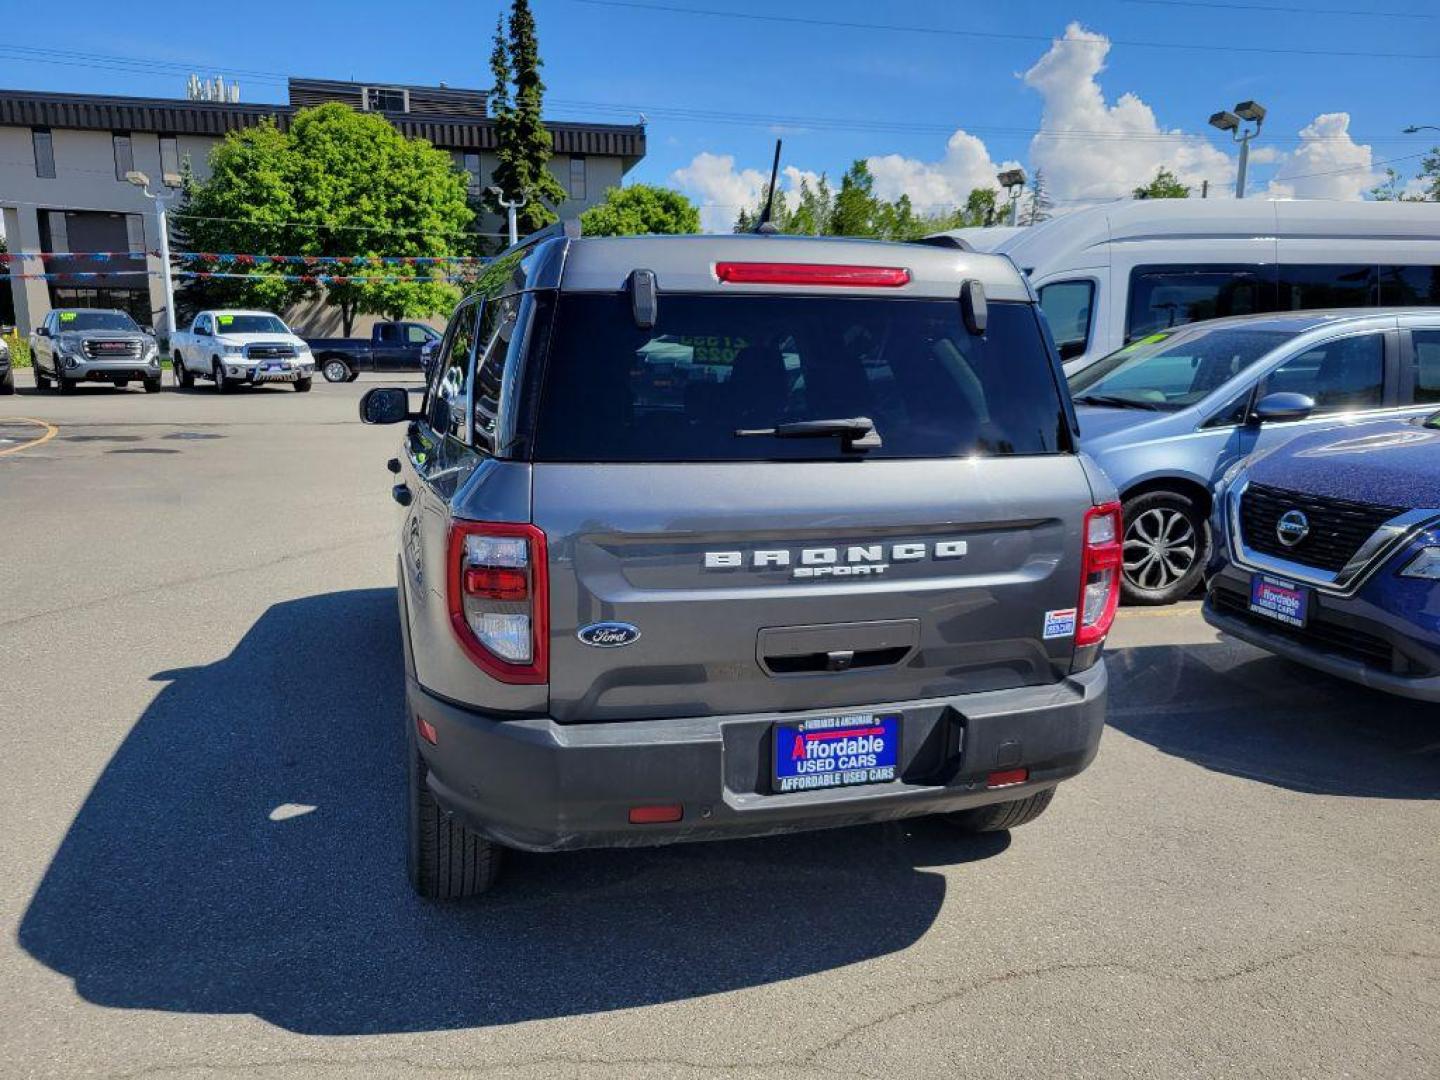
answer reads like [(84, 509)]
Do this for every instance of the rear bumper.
[(542, 786)]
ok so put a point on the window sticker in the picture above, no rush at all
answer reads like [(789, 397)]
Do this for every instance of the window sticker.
[(225, 320), (67, 316), (1060, 624)]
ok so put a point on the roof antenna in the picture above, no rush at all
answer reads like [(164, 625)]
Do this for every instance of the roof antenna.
[(764, 226)]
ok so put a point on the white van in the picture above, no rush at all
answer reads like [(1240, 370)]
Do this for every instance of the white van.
[(1112, 274)]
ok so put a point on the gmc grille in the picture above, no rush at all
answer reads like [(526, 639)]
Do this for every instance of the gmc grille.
[(110, 350), (1338, 527)]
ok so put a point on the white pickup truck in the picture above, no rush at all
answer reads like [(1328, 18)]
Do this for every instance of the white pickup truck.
[(233, 348)]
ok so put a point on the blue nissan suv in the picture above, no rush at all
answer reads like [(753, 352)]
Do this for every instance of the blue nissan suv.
[(1331, 554)]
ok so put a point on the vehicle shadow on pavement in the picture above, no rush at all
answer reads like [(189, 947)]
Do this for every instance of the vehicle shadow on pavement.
[(195, 879), (1235, 709)]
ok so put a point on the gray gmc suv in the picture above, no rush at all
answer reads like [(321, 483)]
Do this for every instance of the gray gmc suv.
[(720, 536)]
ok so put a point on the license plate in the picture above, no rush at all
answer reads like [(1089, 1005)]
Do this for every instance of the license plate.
[(1280, 600), (277, 367), (836, 751)]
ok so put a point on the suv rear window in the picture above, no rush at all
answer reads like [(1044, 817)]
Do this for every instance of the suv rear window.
[(715, 364)]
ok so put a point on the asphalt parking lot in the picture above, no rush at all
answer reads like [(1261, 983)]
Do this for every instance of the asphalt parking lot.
[(202, 871)]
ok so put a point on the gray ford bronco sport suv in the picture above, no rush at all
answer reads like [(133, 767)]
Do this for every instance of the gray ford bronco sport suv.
[(720, 536)]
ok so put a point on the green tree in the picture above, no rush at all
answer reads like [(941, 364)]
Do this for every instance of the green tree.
[(1166, 185), (337, 183), (1393, 189), (523, 145), (1039, 207), (641, 209), (856, 210)]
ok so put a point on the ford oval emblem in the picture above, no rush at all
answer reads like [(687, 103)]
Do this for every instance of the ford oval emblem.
[(609, 635)]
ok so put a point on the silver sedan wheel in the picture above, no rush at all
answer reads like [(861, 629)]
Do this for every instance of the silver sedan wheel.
[(1160, 548)]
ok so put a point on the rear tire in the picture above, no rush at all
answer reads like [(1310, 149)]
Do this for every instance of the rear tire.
[(7, 384), (64, 385), (998, 817), (120, 384), (445, 860), (42, 383), (183, 377), (1167, 544), (336, 370), (302, 385), (152, 386)]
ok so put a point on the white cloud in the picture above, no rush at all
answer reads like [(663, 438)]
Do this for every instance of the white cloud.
[(723, 190), (934, 186), (1328, 164), (1123, 145), (720, 188)]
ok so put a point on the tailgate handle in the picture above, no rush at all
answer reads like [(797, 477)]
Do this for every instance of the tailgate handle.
[(836, 647)]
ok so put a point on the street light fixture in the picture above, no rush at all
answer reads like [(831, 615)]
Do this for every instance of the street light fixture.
[(169, 182), (1247, 112), (510, 208), (1013, 181)]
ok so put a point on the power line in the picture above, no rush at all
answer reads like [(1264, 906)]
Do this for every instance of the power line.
[(993, 34), (680, 114), (384, 229), (721, 116), (1289, 10)]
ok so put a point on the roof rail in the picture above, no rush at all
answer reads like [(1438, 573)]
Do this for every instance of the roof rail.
[(570, 230)]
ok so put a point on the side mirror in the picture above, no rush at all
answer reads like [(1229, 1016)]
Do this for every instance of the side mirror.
[(1283, 406), (202, 331), (42, 331), (385, 405)]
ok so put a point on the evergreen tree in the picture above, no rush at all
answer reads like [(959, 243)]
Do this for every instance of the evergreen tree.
[(856, 208), (1040, 206), (524, 147)]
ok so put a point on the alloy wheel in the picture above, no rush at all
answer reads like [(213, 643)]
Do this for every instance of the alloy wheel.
[(1160, 548)]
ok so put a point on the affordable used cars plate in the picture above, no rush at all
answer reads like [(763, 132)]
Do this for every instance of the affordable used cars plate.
[(836, 751), (1278, 599)]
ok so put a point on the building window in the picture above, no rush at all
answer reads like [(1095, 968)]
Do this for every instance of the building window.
[(44, 153), (469, 164), (169, 157), (124, 155), (577, 177), (385, 99)]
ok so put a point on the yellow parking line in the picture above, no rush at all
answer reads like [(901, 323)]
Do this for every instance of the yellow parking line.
[(1160, 613), (51, 430)]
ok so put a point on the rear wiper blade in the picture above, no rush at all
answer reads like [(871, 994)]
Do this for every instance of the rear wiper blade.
[(854, 432), (1118, 401)]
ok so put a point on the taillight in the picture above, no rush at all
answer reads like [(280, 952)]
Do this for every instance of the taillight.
[(1099, 573), (498, 597), (753, 273)]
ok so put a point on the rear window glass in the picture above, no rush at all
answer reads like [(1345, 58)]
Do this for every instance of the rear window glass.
[(714, 365)]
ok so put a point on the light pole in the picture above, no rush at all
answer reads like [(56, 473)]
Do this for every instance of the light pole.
[(1013, 181), (510, 208), (171, 181), (1253, 112)]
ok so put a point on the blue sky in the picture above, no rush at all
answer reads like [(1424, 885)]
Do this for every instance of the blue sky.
[(836, 93)]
